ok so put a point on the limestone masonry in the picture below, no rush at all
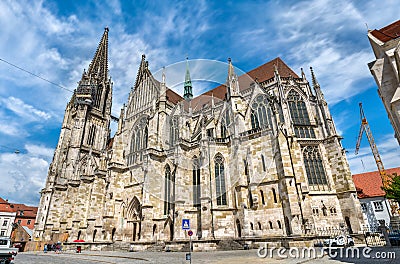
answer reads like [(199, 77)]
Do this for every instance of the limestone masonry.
[(256, 157)]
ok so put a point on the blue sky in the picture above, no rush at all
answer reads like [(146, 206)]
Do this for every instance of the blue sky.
[(57, 40)]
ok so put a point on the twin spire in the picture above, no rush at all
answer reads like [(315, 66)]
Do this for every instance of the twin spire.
[(98, 68)]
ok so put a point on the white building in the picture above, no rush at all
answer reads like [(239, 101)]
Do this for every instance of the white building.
[(7, 218), (374, 205)]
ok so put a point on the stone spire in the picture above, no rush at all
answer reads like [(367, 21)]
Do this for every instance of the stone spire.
[(141, 70), (95, 80), (187, 94), (317, 88), (98, 68), (163, 87), (232, 81)]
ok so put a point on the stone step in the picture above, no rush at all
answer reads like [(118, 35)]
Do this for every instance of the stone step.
[(231, 245)]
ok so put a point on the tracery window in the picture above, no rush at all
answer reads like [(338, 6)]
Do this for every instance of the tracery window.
[(92, 135), (314, 168), (261, 113), (174, 131), (138, 141), (299, 114), (220, 180), (167, 190)]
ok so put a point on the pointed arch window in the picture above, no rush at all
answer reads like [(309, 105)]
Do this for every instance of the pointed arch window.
[(223, 129), (196, 182), (174, 131), (167, 190), (220, 180), (138, 141), (91, 136), (274, 195), (314, 168), (261, 113), (299, 114), (263, 162), (262, 197)]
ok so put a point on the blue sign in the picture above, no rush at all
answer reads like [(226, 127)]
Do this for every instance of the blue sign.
[(185, 224)]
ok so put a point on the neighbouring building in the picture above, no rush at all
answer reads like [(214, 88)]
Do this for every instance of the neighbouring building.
[(13, 213), (7, 217), (374, 205), (25, 215), (258, 156), (385, 69)]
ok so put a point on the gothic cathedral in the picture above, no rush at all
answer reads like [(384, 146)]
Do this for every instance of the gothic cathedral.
[(256, 157)]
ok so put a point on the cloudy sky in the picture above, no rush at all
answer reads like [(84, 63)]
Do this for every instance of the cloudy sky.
[(57, 40)]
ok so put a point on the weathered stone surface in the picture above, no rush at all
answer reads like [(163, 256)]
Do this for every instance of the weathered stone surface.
[(139, 185)]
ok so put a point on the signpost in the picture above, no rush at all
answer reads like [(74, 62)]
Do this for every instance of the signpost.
[(186, 226), (190, 233)]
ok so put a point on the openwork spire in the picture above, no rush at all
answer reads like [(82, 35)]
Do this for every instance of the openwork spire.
[(188, 94), (89, 90), (98, 68)]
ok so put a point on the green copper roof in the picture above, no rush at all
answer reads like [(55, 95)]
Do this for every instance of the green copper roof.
[(188, 94)]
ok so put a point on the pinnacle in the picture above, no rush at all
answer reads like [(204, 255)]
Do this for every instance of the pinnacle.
[(98, 68)]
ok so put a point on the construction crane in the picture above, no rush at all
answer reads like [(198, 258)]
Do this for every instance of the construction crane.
[(365, 128), (385, 177)]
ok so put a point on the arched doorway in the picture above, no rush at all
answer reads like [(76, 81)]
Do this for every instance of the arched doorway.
[(134, 217), (239, 228)]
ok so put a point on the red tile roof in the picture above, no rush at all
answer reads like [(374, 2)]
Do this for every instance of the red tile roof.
[(369, 184), (173, 97), (387, 33), (29, 211), (261, 74)]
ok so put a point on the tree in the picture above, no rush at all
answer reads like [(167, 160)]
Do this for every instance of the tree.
[(393, 189)]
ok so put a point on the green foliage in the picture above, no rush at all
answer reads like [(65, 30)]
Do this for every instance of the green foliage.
[(393, 189)]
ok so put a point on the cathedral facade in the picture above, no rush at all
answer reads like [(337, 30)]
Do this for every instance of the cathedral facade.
[(256, 157)]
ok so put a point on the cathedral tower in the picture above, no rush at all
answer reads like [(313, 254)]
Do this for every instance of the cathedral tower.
[(78, 169)]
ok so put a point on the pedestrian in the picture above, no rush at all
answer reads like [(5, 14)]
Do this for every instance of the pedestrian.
[(45, 248), (58, 247)]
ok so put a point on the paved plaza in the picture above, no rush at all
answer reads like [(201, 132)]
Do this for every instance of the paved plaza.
[(231, 257)]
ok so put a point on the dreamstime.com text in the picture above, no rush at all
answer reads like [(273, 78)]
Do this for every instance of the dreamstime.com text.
[(319, 252)]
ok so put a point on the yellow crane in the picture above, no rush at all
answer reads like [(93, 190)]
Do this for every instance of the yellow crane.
[(385, 177), (365, 128)]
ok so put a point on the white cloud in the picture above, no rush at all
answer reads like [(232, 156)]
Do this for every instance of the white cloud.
[(24, 110), (12, 129), (389, 150), (24, 176), (39, 151)]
